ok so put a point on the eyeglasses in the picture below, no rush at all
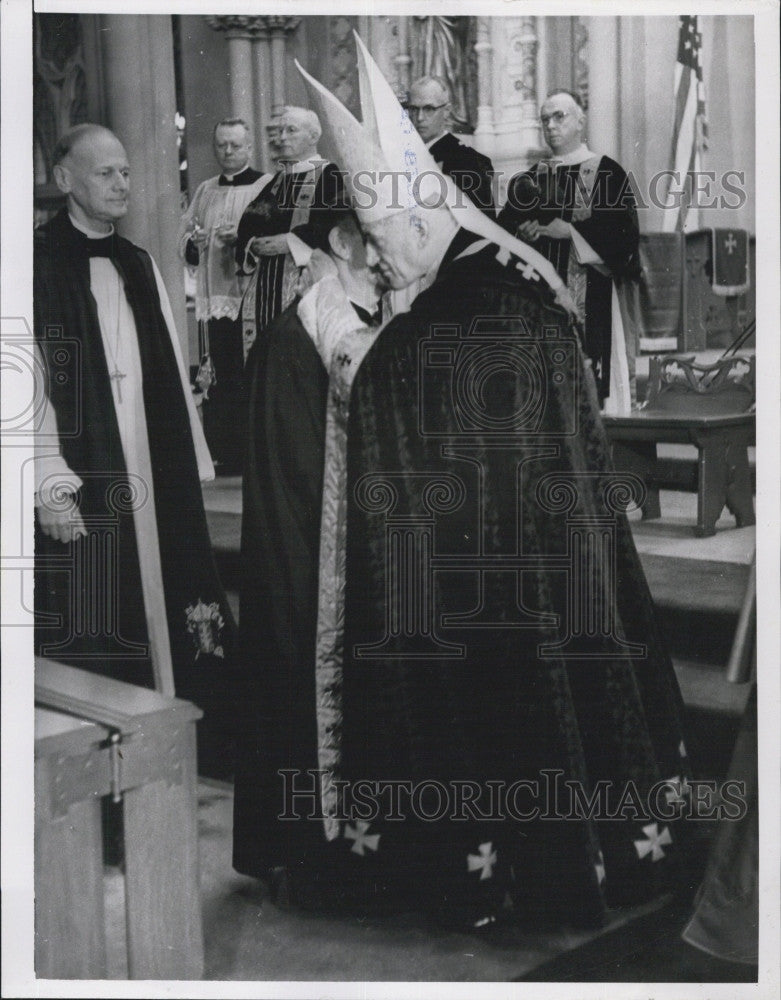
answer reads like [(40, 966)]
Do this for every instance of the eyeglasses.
[(424, 109), (557, 117), (274, 131)]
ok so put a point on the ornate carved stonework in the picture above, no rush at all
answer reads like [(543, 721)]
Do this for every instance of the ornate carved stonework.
[(580, 60), (242, 26), (59, 85), (528, 43), (343, 66)]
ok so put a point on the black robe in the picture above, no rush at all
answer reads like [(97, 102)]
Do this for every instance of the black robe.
[(272, 213), (609, 225), (430, 457), (82, 617), (287, 387), (471, 171)]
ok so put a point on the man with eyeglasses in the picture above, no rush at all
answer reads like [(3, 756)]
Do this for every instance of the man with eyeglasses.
[(207, 236), (429, 109), (578, 209)]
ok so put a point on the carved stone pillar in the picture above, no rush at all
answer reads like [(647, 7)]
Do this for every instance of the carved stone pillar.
[(261, 51), (403, 59), (140, 102), (258, 40), (530, 126), (279, 28), (580, 58), (238, 33), (484, 129)]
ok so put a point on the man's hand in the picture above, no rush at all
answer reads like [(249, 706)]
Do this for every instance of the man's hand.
[(268, 246), (64, 524), (200, 237), (227, 234), (558, 229), (529, 231), (564, 299)]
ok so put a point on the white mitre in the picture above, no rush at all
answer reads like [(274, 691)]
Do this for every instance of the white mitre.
[(389, 169)]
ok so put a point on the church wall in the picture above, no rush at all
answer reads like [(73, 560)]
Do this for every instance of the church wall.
[(644, 107)]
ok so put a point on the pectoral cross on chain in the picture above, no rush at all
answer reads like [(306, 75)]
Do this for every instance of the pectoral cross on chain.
[(117, 376)]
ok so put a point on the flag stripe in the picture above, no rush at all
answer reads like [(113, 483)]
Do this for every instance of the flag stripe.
[(689, 126)]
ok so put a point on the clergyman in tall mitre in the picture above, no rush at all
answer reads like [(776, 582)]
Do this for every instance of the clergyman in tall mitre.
[(460, 669)]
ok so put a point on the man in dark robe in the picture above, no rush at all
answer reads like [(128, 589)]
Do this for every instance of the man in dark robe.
[(578, 209), (125, 581), (287, 381), (296, 198), (501, 663), (429, 108)]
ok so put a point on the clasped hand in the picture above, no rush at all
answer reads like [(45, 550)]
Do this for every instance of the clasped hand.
[(268, 246), (531, 231)]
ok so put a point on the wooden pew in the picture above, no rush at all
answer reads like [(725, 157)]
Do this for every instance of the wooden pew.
[(96, 737)]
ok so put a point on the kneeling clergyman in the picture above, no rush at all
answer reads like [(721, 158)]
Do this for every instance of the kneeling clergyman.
[(296, 429)]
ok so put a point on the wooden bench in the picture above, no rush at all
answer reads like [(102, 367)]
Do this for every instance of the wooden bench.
[(723, 473), (97, 737)]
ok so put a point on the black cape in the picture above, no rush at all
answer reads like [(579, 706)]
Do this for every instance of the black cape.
[(472, 171), (84, 618), (474, 437)]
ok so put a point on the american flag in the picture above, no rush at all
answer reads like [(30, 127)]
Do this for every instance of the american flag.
[(690, 130)]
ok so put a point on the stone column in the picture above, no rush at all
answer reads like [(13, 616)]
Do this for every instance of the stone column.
[(484, 128), (261, 50), (140, 104), (403, 59), (530, 127), (604, 120), (279, 27), (238, 33)]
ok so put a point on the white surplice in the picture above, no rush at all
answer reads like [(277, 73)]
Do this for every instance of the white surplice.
[(120, 345)]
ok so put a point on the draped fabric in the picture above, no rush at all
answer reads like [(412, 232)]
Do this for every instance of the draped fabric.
[(296, 200), (499, 681), (471, 171), (216, 203), (287, 385), (90, 443), (595, 196), (293, 573)]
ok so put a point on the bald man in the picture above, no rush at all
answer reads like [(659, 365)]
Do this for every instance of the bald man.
[(429, 107), (578, 209), (125, 579)]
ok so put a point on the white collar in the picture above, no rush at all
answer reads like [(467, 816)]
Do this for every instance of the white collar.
[(229, 177), (579, 155), (431, 142), (309, 164), (91, 233)]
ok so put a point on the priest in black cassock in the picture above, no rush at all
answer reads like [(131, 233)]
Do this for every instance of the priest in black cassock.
[(578, 209), (497, 629), (429, 110), (125, 581)]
